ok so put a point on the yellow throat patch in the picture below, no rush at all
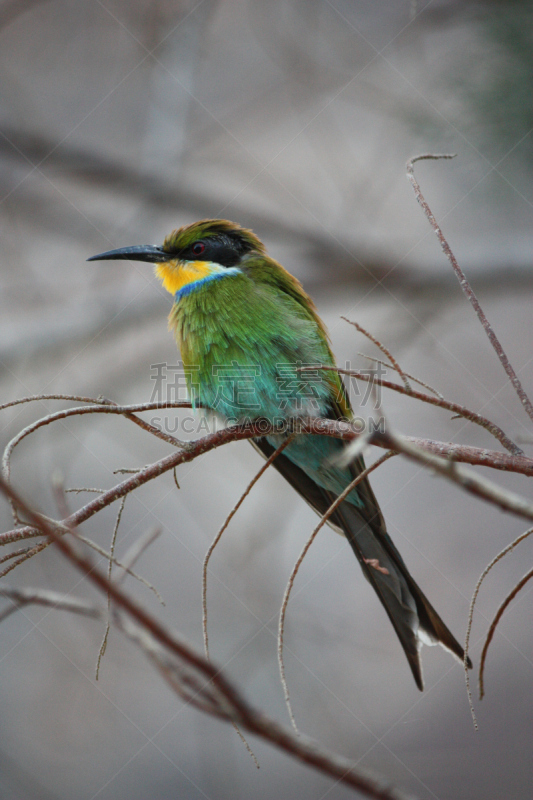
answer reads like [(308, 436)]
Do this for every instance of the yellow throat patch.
[(174, 275)]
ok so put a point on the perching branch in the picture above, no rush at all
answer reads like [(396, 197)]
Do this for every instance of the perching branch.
[(338, 429)]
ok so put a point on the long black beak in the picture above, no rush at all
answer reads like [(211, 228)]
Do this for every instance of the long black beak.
[(141, 252)]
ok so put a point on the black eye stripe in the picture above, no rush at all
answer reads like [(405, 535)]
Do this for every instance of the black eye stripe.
[(222, 249)]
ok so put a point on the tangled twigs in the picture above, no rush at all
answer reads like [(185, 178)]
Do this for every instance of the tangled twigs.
[(440, 402), (194, 677)]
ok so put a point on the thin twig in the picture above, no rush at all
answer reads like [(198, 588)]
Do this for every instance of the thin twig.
[(30, 552), (103, 646), (510, 597), (383, 349), (481, 578), (99, 408), (465, 285), (209, 553), (103, 406), (109, 556), (14, 554), (24, 597), (407, 375), (34, 397), (281, 625), (227, 521), (135, 552), (127, 470), (146, 426), (122, 565), (83, 489)]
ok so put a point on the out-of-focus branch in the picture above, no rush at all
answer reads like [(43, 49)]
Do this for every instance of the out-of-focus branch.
[(465, 285), (40, 597), (196, 679), (11, 10), (468, 480)]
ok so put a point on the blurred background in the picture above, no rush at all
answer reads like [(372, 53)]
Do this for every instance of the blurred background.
[(120, 122)]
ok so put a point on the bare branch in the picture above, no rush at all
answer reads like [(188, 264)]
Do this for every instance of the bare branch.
[(135, 552), (209, 553), (75, 398), (407, 375), (104, 407), (19, 535), (465, 285), (146, 426), (103, 646), (29, 553), (82, 489), (21, 552)]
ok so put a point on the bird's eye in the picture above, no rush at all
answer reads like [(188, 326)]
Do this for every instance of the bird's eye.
[(198, 248)]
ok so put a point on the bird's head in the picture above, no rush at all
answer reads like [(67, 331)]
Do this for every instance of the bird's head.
[(194, 252)]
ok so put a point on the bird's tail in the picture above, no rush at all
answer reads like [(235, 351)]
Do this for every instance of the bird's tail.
[(414, 619)]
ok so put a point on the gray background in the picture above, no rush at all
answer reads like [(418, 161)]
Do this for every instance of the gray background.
[(119, 122)]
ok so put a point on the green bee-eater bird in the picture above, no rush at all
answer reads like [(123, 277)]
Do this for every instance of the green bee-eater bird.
[(239, 316)]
